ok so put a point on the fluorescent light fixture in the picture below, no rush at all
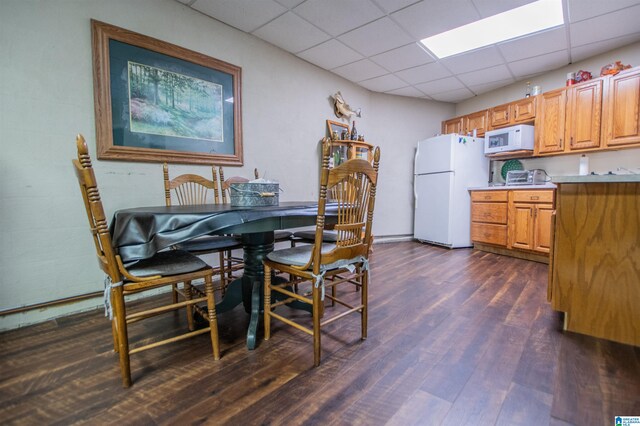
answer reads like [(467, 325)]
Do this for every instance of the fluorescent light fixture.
[(530, 18)]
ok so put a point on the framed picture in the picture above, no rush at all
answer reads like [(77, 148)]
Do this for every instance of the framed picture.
[(158, 102), (336, 126)]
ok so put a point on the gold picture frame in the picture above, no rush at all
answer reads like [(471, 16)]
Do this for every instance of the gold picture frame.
[(158, 102)]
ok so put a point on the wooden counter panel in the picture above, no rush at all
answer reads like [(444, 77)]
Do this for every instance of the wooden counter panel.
[(596, 265)]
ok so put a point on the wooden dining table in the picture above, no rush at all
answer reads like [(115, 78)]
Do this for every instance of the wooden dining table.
[(139, 233)]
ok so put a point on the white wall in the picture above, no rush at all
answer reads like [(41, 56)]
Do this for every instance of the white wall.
[(46, 98), (563, 165)]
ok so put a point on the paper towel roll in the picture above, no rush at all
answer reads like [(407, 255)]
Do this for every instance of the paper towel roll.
[(584, 165)]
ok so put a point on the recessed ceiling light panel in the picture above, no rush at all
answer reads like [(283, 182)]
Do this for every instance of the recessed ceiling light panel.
[(527, 19)]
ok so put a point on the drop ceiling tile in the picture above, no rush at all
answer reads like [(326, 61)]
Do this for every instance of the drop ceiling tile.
[(453, 95), (376, 37), (246, 15), (616, 24), (361, 70), (534, 45), (588, 50), (543, 63), (581, 9), (338, 16), (290, 3), (383, 83), (493, 7), (439, 86), (487, 75), (479, 89), (291, 33), (474, 60), (423, 73), (403, 57), (392, 5), (431, 17), (330, 54), (407, 91)]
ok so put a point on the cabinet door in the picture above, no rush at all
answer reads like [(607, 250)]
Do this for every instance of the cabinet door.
[(542, 227), (622, 113), (478, 121), (524, 110), (499, 116), (550, 122), (584, 111), (453, 125), (521, 229)]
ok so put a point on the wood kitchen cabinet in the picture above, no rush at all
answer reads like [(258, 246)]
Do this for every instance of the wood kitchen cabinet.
[(622, 110), (530, 219), (513, 222), (520, 111), (489, 217), (453, 125), (466, 124), (478, 121), (550, 122), (569, 119)]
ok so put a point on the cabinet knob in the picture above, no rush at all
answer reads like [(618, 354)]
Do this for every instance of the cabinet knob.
[(487, 197), (535, 197)]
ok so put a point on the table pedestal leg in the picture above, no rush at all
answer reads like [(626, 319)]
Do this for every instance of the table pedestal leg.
[(256, 246)]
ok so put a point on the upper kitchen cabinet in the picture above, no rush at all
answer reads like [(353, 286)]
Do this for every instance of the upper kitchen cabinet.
[(584, 113), (478, 121), (465, 125), (550, 122), (569, 119), (622, 110), (453, 125), (520, 111)]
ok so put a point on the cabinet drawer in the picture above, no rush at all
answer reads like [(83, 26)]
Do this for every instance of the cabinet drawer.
[(489, 212), (533, 196), (489, 233), (489, 196)]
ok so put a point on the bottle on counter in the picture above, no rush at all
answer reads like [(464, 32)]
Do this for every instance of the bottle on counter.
[(584, 165), (354, 132)]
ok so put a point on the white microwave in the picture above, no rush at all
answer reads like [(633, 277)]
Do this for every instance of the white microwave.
[(512, 138)]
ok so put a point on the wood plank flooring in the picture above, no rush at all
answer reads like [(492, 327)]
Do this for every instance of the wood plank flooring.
[(455, 337)]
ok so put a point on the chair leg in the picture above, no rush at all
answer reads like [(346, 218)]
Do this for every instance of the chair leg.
[(267, 302), (364, 296), (213, 320), (123, 338), (188, 296), (174, 293), (114, 329), (317, 305), (223, 274)]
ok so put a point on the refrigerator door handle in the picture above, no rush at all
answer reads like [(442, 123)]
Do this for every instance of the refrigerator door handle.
[(415, 192)]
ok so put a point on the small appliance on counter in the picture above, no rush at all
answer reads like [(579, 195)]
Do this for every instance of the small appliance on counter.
[(526, 177)]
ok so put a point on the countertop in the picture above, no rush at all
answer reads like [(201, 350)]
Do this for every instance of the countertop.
[(547, 185), (597, 178)]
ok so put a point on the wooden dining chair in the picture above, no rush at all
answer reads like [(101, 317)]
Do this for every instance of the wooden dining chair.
[(166, 268), (322, 264), (191, 189)]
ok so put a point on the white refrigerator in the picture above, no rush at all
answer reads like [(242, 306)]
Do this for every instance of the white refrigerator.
[(445, 167)]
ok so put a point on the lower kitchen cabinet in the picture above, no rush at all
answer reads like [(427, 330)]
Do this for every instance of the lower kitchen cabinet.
[(530, 220), (513, 222)]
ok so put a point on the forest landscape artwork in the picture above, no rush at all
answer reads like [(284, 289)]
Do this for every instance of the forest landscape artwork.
[(163, 102)]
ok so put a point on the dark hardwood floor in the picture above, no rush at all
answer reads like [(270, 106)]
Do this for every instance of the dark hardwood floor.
[(455, 337)]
